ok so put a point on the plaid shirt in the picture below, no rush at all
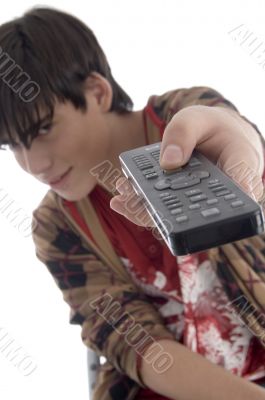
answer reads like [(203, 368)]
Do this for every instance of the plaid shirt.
[(88, 274)]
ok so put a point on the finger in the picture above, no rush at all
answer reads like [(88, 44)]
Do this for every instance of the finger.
[(133, 209), (189, 127), (123, 185), (130, 204), (243, 169)]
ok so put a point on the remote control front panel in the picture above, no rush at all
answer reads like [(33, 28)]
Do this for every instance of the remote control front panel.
[(195, 207)]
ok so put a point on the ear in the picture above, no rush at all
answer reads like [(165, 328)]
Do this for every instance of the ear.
[(99, 87)]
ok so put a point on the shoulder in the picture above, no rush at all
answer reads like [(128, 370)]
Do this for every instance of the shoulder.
[(47, 219), (49, 205), (170, 102)]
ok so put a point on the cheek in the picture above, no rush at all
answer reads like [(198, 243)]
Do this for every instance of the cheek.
[(20, 160), (95, 144), (84, 141)]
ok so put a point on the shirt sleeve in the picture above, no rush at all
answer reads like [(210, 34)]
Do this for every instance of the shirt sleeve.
[(106, 306), (169, 103), (240, 265)]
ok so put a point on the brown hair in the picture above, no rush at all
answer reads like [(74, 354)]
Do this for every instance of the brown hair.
[(46, 55)]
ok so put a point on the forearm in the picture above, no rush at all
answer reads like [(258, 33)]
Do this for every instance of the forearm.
[(193, 377), (251, 133)]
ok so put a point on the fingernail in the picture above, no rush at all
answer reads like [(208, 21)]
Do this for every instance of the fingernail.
[(172, 154)]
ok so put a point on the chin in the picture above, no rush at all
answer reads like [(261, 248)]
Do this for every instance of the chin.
[(75, 195)]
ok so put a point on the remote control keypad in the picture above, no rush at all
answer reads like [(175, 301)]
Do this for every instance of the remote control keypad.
[(183, 179)]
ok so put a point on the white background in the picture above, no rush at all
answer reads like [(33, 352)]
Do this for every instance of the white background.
[(152, 46)]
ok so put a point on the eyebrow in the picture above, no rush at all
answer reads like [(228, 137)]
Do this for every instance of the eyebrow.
[(47, 117)]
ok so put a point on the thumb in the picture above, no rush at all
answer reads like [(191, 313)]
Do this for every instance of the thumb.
[(172, 156)]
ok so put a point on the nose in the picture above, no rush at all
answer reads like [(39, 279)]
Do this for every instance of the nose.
[(36, 161)]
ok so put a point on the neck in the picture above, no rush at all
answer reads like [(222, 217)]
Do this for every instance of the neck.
[(128, 132)]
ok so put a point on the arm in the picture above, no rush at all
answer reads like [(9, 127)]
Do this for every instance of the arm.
[(201, 117), (176, 100), (191, 116), (238, 146), (192, 377)]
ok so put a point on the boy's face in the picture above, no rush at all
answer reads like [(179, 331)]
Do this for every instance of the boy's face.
[(76, 141)]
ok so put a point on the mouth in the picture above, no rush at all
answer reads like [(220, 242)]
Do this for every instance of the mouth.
[(62, 180)]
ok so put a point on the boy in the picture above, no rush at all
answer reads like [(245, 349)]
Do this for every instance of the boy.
[(63, 116)]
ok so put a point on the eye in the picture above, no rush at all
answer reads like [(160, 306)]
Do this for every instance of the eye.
[(45, 128)]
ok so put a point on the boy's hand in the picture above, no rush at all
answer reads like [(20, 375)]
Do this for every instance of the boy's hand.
[(221, 135)]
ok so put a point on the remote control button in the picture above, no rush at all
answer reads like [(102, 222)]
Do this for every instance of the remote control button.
[(164, 194), (172, 201), (151, 176), (168, 202), (237, 203), (181, 177), (213, 181), (212, 201), (199, 197), (145, 166), (140, 162), (210, 212), (194, 206), (230, 196), (148, 171), (172, 171), (214, 185), (218, 189), (172, 206), (155, 152), (176, 211), (194, 162), (156, 155), (170, 197), (136, 158), (192, 192), (201, 174), (184, 185), (162, 184), (182, 218), (222, 193)]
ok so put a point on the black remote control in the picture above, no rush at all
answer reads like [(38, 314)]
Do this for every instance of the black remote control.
[(194, 207)]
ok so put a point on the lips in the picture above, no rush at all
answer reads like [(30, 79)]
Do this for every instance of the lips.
[(57, 179)]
